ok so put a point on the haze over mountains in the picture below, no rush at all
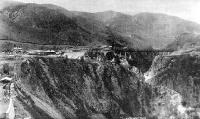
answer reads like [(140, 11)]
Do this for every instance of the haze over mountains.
[(54, 25)]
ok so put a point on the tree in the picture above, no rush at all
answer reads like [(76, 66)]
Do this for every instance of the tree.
[(6, 69), (7, 47)]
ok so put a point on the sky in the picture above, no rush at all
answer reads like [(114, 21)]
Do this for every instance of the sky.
[(186, 9)]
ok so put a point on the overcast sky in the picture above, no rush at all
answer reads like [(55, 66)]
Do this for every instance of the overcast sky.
[(187, 9)]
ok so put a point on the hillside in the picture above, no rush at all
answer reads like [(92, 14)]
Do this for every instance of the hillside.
[(63, 88), (99, 23), (179, 72), (157, 29), (184, 41), (38, 24), (53, 25)]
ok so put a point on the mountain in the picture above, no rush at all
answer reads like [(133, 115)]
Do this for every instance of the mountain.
[(98, 22), (53, 25), (38, 24), (157, 29), (108, 16), (184, 41), (48, 24)]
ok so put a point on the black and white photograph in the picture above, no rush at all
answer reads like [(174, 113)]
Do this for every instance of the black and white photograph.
[(99, 59)]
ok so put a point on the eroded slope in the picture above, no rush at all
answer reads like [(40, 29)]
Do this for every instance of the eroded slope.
[(61, 88)]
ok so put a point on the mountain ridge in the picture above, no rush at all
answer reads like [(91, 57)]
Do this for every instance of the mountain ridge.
[(47, 23)]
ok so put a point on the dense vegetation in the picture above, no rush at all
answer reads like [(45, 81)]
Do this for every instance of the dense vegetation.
[(53, 25)]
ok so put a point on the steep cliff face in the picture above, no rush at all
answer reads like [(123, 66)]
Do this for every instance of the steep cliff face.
[(62, 88), (179, 72), (142, 59)]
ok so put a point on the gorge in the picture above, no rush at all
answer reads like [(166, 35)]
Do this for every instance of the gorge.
[(62, 64), (58, 87)]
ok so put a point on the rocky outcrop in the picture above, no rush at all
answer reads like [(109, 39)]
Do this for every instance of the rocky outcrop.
[(62, 88), (180, 72), (88, 89), (142, 59)]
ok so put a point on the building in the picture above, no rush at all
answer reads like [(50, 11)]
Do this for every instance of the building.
[(17, 50), (42, 52)]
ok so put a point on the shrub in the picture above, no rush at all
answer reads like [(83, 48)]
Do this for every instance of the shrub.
[(6, 68)]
